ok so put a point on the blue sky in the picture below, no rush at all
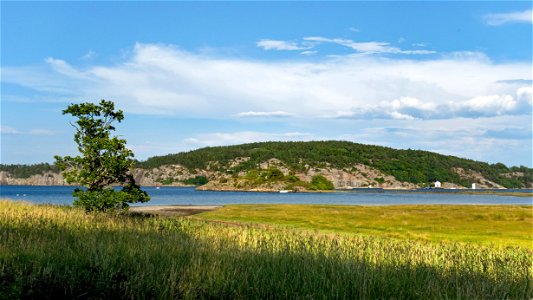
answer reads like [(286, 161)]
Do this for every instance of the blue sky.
[(449, 77)]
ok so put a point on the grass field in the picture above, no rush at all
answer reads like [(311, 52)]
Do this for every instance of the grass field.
[(502, 225), (61, 252)]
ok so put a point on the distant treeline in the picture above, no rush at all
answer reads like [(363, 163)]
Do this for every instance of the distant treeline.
[(413, 166), (25, 171)]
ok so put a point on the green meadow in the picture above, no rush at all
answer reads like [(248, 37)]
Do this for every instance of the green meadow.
[(62, 252), (500, 225)]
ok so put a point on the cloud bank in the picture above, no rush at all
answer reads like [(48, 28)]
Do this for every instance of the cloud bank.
[(454, 103), (163, 79)]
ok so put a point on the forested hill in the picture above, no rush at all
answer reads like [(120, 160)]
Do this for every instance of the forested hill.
[(415, 166), (321, 157)]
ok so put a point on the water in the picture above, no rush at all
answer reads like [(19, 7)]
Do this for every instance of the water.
[(188, 196)]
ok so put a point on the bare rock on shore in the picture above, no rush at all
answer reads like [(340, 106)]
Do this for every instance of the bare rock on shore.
[(48, 178)]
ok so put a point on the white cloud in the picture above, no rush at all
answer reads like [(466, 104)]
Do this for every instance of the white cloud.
[(353, 29), (241, 137), (367, 47), (36, 131), (494, 105), (8, 130), (498, 19), (360, 47), (408, 108), (89, 55), (64, 68), (309, 52), (280, 45), (399, 116), (275, 114), (524, 94), (41, 131), (160, 79), (497, 104)]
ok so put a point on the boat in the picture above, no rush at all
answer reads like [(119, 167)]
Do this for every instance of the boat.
[(284, 191)]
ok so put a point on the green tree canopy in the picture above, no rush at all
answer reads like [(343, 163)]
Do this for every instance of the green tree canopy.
[(104, 159)]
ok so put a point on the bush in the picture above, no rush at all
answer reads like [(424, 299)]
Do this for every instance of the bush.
[(197, 180), (273, 174), (319, 182), (109, 199)]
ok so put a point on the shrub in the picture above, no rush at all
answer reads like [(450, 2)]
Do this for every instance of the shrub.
[(197, 180), (319, 182)]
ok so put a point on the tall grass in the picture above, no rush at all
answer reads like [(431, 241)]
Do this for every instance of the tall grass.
[(500, 225), (51, 252)]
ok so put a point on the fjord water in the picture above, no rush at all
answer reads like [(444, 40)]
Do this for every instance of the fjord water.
[(189, 196)]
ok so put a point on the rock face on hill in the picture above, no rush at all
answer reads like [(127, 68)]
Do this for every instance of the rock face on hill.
[(301, 166), (176, 175), (48, 178), (358, 176)]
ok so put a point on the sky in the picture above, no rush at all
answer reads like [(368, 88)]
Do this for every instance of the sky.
[(449, 77)]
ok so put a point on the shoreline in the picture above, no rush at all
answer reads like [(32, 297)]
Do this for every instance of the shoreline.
[(521, 192), (172, 210)]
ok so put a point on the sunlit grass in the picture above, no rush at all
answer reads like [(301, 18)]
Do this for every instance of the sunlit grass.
[(502, 225), (58, 252)]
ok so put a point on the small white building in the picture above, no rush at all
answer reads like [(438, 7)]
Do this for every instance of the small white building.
[(473, 186), (437, 184)]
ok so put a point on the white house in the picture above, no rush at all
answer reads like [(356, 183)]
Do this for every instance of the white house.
[(437, 184), (473, 186)]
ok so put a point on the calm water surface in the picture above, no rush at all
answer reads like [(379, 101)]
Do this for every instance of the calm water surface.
[(188, 196)]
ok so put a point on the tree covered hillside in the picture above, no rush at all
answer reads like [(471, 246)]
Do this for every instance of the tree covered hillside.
[(413, 166)]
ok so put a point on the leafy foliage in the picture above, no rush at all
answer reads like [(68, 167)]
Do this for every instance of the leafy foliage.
[(257, 177), (319, 182), (101, 199), (197, 180), (104, 159)]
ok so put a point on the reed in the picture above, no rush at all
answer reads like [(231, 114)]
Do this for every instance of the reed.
[(51, 251)]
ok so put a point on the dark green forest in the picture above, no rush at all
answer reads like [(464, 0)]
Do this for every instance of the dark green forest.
[(415, 166)]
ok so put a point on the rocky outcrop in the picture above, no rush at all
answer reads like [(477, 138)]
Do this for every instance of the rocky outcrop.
[(481, 182), (225, 177), (47, 178), (358, 176), (171, 175)]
